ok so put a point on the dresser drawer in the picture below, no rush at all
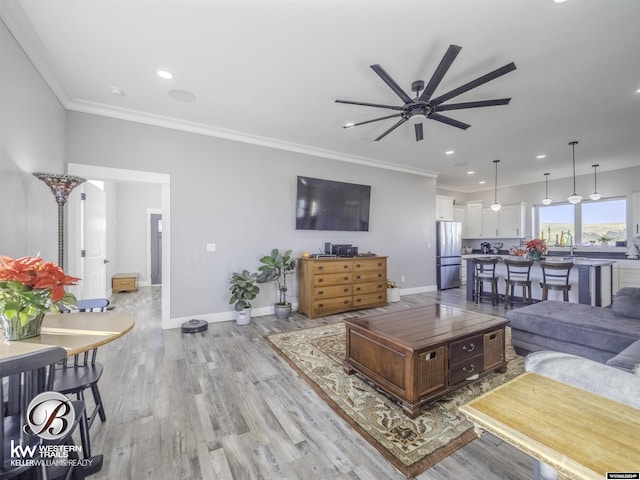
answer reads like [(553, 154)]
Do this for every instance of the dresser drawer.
[(332, 279), (332, 267), (370, 300), (465, 348), (331, 304), (360, 288), (333, 291), (369, 264), (369, 277), (458, 372)]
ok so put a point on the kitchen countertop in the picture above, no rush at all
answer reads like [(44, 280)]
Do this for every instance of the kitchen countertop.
[(591, 262)]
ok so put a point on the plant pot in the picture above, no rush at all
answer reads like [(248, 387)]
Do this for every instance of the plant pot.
[(605, 244), (282, 310), (393, 295), (14, 329), (243, 317)]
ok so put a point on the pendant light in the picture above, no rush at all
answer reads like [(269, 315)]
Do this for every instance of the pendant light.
[(595, 195), (496, 206), (546, 200), (575, 198)]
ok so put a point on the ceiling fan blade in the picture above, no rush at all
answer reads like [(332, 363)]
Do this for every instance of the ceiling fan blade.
[(392, 83), (449, 121), (440, 72), (479, 103), (371, 121), (377, 105), (391, 129), (419, 134), (474, 83)]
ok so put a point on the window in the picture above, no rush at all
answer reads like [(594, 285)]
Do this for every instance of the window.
[(554, 223), (604, 219), (587, 222)]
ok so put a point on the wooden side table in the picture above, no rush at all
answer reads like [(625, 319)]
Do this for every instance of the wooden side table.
[(580, 434), (124, 282)]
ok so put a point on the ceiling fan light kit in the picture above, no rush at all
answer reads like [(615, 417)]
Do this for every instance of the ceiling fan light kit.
[(575, 198), (546, 200), (424, 106)]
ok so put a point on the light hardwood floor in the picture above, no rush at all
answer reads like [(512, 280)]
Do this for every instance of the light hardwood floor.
[(222, 404)]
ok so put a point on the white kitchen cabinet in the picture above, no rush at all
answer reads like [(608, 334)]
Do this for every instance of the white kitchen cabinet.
[(512, 221), (490, 223), (458, 213), (629, 273), (444, 207), (472, 226)]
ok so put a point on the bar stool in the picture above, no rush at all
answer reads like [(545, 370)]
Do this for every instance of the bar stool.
[(485, 271), (518, 272), (555, 276)]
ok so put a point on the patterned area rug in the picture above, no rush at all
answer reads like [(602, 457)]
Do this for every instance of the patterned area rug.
[(411, 445)]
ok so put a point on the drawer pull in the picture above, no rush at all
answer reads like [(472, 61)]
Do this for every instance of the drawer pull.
[(320, 267), (321, 292), (346, 290), (345, 266), (320, 305), (320, 280), (358, 289), (471, 368), (470, 348), (346, 302), (358, 277), (430, 356), (358, 300), (492, 337), (346, 279)]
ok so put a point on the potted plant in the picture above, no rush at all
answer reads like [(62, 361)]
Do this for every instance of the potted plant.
[(243, 288), (393, 292), (604, 240), (29, 288), (276, 267)]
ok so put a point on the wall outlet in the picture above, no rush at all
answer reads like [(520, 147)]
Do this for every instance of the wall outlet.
[(211, 247)]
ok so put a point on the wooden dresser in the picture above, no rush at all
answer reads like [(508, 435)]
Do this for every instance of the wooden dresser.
[(333, 285)]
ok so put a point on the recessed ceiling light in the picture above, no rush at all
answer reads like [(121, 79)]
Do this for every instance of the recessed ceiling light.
[(482, 182), (559, 1), (470, 172), (118, 92), (638, 90), (541, 156), (164, 74), (450, 152)]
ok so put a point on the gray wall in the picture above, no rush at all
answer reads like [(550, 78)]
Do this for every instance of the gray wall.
[(32, 128), (242, 198)]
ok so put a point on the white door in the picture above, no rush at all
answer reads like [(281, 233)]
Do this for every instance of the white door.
[(94, 238)]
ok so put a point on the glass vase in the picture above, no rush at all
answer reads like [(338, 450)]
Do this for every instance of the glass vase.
[(14, 329), (535, 255)]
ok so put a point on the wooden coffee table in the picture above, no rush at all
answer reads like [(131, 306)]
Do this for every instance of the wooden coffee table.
[(420, 354), (580, 434)]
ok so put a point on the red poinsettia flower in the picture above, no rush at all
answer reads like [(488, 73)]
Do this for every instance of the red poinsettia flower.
[(537, 245)]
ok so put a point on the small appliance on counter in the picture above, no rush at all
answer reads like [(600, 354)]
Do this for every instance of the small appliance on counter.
[(485, 247), (344, 250)]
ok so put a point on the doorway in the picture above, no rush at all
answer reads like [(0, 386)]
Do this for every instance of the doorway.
[(155, 248), (135, 176)]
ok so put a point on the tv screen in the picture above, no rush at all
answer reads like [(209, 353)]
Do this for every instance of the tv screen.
[(328, 205)]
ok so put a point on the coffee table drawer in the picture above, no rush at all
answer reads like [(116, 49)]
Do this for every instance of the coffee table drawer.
[(465, 348), (458, 372)]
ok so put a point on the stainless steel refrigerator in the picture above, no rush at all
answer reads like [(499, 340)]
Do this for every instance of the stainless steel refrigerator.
[(449, 254)]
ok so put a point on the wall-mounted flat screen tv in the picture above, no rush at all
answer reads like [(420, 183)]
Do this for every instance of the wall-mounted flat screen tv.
[(329, 205)]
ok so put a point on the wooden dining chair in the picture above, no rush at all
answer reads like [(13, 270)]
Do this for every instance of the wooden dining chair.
[(518, 275), (555, 276), (22, 378), (485, 271), (81, 372)]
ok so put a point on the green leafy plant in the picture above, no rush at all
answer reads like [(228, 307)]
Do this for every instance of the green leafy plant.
[(243, 289), (276, 267), (604, 238)]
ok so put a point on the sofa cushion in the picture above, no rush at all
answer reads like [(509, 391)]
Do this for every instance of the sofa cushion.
[(574, 323), (628, 359), (627, 302), (587, 375)]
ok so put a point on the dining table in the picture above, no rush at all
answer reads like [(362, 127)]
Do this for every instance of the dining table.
[(75, 332)]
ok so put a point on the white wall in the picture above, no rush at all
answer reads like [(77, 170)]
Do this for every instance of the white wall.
[(32, 127), (242, 198), (132, 202)]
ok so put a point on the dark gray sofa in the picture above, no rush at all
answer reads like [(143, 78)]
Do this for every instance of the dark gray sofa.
[(590, 332)]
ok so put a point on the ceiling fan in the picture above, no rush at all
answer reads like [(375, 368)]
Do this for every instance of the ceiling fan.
[(423, 106)]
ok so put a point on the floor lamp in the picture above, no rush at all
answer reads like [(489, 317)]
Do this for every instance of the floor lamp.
[(61, 185)]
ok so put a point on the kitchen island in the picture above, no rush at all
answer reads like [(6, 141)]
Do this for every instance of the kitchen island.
[(591, 279)]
